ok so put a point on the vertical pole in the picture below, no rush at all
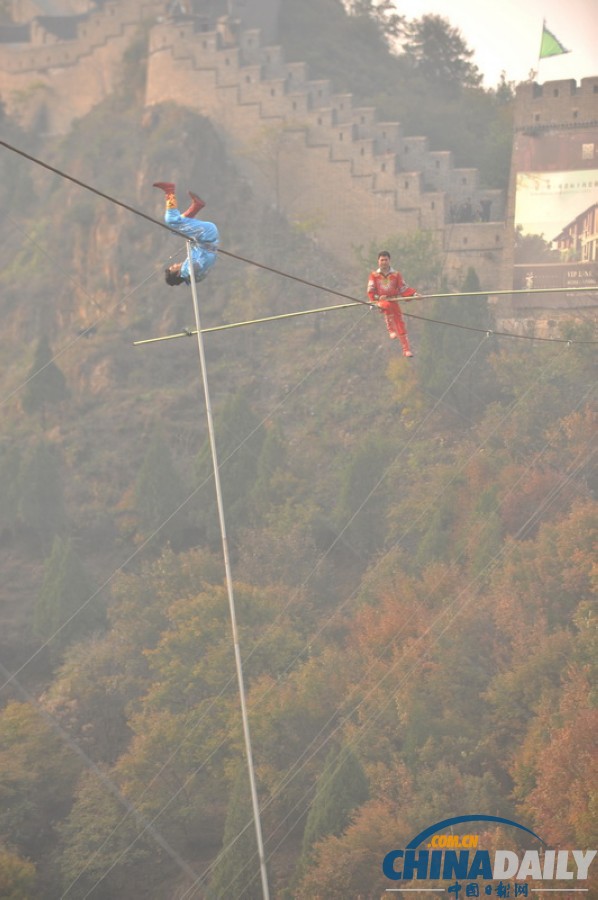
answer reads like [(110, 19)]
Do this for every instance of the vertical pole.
[(229, 584)]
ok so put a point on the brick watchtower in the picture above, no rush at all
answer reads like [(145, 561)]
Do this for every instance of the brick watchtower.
[(552, 203)]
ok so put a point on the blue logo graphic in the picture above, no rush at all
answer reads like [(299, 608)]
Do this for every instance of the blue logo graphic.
[(458, 820), (457, 857)]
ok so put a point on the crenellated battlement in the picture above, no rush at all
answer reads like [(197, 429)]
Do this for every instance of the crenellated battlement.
[(314, 152), (51, 53), (561, 104), (50, 42)]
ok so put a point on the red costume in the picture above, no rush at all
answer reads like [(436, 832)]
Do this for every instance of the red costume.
[(383, 290)]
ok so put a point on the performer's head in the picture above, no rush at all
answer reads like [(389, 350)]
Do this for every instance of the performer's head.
[(172, 275), (384, 260)]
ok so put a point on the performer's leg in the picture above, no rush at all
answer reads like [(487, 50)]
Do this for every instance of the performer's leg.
[(402, 331), (390, 325), (169, 189), (196, 204), (185, 224), (405, 345)]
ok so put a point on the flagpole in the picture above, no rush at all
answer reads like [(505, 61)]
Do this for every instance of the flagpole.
[(540, 47)]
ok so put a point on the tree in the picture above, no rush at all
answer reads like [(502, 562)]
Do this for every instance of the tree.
[(349, 865), (341, 789), (362, 497), (38, 777), (557, 761), (272, 479), (159, 492), (104, 851), (17, 876), (240, 437), (10, 464), (438, 52), (382, 13), (91, 692), (351, 50), (46, 384), (66, 607), (41, 504), (436, 542), (237, 871), (493, 156), (446, 350)]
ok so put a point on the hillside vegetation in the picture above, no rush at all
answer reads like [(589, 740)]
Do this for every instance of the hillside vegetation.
[(412, 547)]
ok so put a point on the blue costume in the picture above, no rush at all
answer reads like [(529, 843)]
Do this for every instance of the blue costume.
[(203, 252)]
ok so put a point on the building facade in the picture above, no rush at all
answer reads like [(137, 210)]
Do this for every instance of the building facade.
[(552, 203)]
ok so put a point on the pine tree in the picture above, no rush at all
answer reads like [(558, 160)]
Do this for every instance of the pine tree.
[(437, 51), (159, 492), (17, 876), (236, 874), (46, 384), (445, 351), (40, 488), (10, 463), (239, 439), (270, 476), (362, 497), (341, 789), (63, 612)]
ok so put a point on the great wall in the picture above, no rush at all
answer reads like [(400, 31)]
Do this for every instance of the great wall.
[(325, 163)]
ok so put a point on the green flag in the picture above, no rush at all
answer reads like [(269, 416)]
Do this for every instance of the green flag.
[(550, 45)]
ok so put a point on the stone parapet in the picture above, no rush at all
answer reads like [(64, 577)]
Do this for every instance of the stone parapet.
[(37, 76), (45, 51), (564, 104), (364, 119), (388, 136)]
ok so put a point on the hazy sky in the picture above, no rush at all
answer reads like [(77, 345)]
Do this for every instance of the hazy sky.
[(505, 34)]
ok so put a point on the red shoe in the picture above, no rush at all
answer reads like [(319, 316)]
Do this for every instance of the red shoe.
[(195, 207), (167, 186)]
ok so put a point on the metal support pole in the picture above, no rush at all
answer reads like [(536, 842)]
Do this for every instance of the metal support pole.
[(229, 584)]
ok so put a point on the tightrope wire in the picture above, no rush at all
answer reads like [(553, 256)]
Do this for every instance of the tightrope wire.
[(304, 281)]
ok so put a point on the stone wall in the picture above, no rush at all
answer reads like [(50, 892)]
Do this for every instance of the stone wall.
[(330, 166), (37, 76), (25, 10)]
